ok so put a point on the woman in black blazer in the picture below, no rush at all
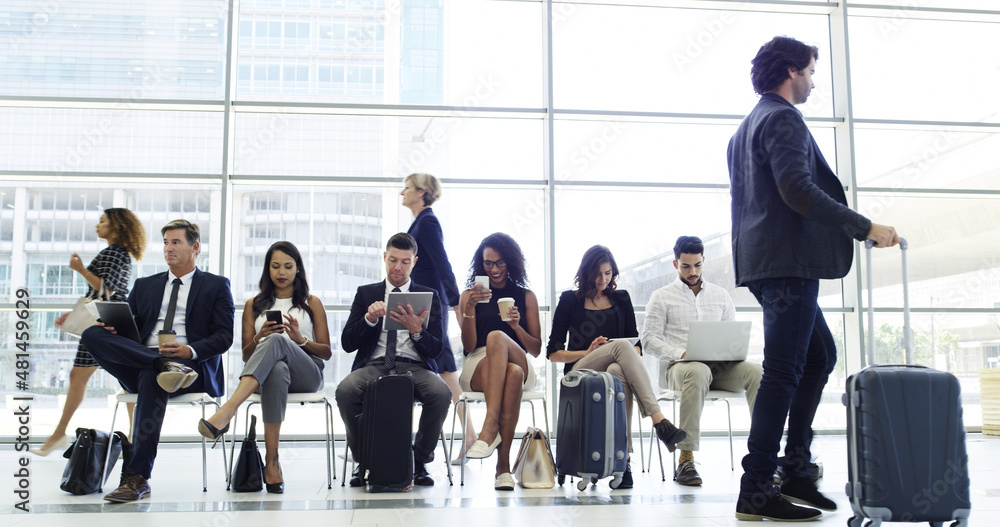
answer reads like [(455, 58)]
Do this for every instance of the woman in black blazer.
[(593, 315), (433, 270)]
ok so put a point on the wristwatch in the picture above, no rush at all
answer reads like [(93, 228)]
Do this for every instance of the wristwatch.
[(417, 336)]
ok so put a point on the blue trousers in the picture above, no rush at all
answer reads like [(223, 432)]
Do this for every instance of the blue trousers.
[(799, 355), (134, 365)]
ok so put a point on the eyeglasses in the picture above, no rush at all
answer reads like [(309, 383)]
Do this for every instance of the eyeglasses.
[(488, 264)]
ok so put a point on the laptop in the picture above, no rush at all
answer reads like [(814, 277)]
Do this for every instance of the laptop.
[(718, 340), (119, 316)]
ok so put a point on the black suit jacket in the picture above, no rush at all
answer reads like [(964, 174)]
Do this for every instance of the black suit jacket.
[(359, 336), (209, 321), (790, 214)]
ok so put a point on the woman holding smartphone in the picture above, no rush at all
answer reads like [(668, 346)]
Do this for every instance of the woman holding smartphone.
[(593, 315), (281, 357), (110, 269), (501, 340), (433, 270)]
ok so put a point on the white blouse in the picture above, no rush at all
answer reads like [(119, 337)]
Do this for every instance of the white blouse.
[(286, 308)]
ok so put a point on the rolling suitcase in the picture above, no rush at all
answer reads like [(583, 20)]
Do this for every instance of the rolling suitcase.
[(592, 442), (386, 434), (905, 436)]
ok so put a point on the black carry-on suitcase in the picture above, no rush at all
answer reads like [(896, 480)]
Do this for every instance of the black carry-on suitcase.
[(386, 434), (905, 436), (592, 440)]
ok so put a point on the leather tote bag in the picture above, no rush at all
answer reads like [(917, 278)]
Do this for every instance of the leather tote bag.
[(88, 466), (248, 476), (81, 316), (535, 468)]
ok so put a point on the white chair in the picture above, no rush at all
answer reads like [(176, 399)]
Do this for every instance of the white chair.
[(713, 396), (301, 399), (444, 446), (480, 397), (201, 399)]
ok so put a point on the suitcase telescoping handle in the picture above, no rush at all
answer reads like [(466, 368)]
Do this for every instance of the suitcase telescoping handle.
[(907, 332)]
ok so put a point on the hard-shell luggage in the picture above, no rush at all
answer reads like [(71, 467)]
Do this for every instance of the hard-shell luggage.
[(593, 440), (906, 454), (386, 434)]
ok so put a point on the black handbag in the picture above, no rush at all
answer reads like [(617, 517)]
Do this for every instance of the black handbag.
[(88, 467), (248, 476)]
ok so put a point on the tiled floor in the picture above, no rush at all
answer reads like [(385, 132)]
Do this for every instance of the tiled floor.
[(177, 499)]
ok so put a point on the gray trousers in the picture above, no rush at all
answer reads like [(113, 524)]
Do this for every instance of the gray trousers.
[(282, 368), (620, 359), (692, 380)]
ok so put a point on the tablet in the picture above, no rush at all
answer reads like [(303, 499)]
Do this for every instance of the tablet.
[(631, 340), (119, 316), (419, 302)]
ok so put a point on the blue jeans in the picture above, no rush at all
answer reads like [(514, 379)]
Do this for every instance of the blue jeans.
[(799, 354)]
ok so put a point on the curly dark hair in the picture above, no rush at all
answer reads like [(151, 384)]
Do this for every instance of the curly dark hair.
[(300, 287), (128, 231), (511, 253), (590, 267), (770, 66)]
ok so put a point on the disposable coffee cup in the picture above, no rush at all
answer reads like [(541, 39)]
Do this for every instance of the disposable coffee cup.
[(505, 304), (162, 337)]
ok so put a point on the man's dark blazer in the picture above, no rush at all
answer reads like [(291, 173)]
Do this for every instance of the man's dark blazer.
[(790, 214), (359, 336), (208, 321)]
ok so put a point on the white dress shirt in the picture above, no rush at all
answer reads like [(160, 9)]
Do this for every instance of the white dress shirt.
[(180, 312), (672, 308), (404, 344)]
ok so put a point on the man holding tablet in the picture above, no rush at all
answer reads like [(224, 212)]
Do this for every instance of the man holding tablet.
[(669, 313), (185, 322), (381, 350)]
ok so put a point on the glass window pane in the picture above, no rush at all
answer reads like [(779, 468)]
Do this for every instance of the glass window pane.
[(128, 50), (124, 141), (652, 59), (931, 223), (372, 146), (924, 70), (926, 158)]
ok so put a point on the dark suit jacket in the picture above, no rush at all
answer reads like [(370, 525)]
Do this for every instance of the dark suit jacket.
[(359, 336), (432, 268), (790, 214), (573, 318), (209, 321)]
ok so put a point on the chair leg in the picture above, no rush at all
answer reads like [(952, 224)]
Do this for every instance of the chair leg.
[(447, 458), (729, 416), (642, 460), (331, 463), (204, 456), (225, 463), (107, 455), (347, 453)]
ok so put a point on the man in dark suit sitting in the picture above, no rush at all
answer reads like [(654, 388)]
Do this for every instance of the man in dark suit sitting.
[(185, 321), (416, 351)]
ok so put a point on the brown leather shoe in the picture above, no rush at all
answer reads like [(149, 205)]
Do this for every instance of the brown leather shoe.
[(174, 376), (133, 487)]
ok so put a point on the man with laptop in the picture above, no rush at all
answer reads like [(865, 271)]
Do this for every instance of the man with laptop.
[(701, 358), (183, 325)]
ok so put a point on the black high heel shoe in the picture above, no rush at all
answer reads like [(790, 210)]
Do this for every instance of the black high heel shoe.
[(210, 432)]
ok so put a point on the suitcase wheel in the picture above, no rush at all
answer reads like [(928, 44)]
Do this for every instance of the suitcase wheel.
[(561, 478), (582, 484)]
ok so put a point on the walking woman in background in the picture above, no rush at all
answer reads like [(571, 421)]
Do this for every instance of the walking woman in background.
[(433, 270), (281, 358), (111, 268), (497, 343)]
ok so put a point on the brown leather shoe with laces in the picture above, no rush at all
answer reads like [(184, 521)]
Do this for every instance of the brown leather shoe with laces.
[(133, 487)]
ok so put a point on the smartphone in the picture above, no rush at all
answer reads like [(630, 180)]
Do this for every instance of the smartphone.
[(274, 315), (485, 282)]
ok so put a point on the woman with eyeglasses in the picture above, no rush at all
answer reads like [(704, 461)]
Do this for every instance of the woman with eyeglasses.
[(498, 364), (599, 319)]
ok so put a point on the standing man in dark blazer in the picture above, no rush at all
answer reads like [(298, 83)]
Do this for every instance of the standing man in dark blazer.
[(417, 351), (185, 321), (791, 228)]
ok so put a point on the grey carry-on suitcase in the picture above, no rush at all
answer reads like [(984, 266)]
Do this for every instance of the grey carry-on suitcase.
[(906, 439), (592, 437)]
